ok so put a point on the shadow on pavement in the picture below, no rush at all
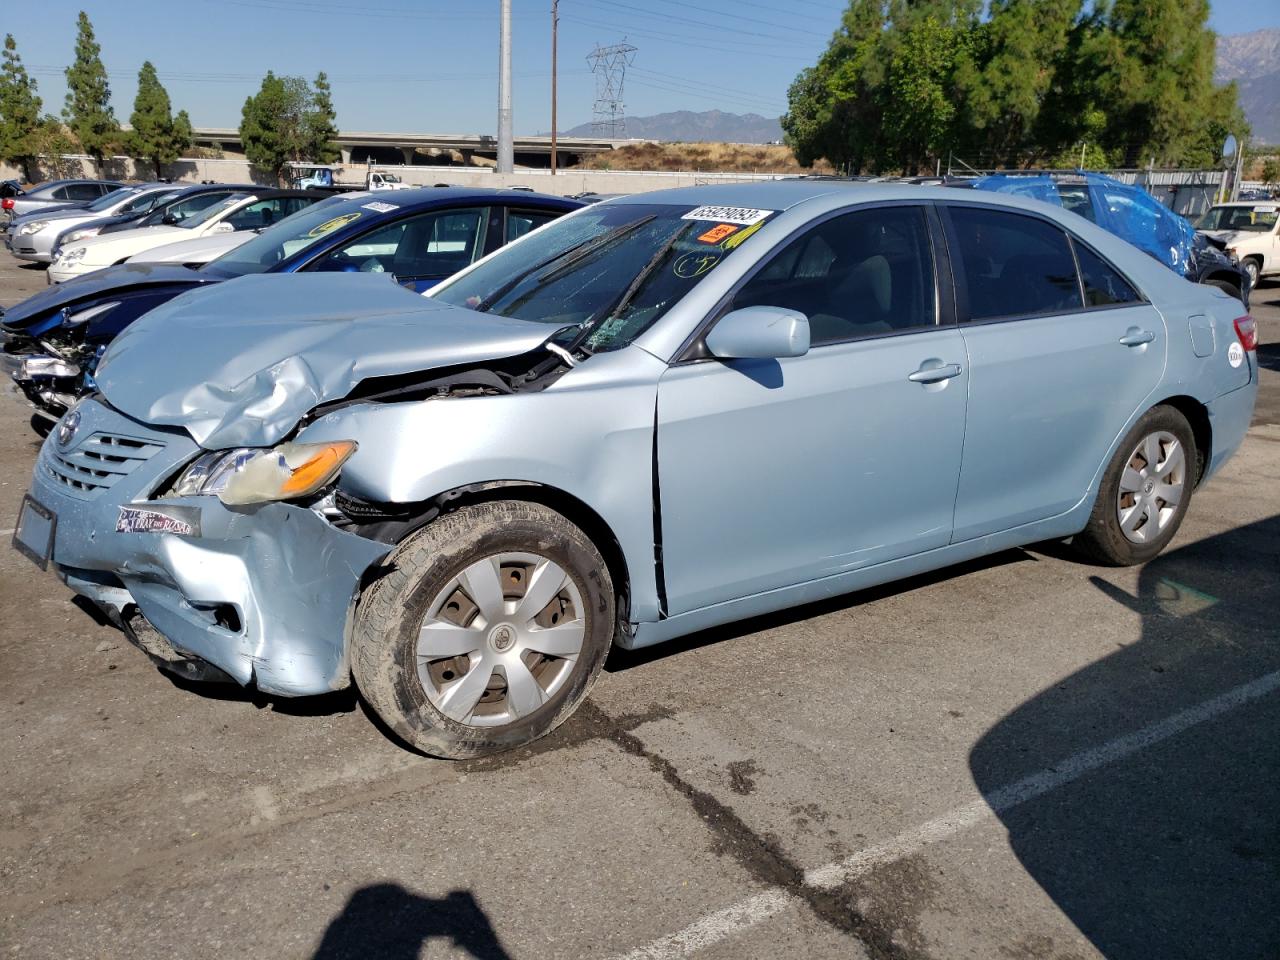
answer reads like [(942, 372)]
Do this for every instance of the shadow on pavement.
[(1172, 851), (388, 922)]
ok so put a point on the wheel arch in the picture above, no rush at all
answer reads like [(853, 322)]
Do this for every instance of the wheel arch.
[(1197, 415), (571, 507)]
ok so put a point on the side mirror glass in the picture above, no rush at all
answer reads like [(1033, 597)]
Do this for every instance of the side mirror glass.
[(760, 333), (169, 219)]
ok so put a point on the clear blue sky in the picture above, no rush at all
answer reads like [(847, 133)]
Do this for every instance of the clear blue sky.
[(431, 65)]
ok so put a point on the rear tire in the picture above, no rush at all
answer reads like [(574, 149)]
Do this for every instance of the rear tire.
[(1145, 491), (447, 647), (1230, 288)]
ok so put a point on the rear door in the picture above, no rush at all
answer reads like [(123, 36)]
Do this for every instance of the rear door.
[(779, 472), (1060, 358)]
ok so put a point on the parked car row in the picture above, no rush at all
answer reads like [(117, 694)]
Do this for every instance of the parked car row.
[(314, 462)]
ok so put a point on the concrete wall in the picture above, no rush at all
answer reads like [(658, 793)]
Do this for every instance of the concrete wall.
[(566, 182)]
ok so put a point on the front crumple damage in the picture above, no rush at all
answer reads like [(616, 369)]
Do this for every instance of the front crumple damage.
[(239, 364), (264, 593)]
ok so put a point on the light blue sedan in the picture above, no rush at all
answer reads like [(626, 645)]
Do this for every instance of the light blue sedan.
[(657, 414)]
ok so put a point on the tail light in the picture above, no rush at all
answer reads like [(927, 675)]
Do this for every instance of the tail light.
[(1247, 331), (6, 203)]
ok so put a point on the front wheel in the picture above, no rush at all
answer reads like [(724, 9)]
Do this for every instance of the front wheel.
[(488, 631), (1254, 270), (1145, 491)]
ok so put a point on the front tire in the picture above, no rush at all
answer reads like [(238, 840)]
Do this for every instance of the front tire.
[(1254, 269), (1145, 491), (488, 632)]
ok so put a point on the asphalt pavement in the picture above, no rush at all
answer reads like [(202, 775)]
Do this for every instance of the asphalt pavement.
[(1023, 757)]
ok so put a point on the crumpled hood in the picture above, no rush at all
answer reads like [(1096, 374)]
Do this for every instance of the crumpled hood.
[(240, 362), (97, 286)]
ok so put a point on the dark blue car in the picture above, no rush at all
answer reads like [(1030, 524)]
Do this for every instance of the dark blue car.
[(419, 237)]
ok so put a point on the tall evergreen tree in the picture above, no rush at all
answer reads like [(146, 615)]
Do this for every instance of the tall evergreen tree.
[(88, 106), (156, 135), (19, 110), (322, 122)]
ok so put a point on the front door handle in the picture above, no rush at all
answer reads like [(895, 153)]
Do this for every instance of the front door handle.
[(935, 374), (1135, 338)]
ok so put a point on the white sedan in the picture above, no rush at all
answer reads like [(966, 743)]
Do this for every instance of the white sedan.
[(240, 211)]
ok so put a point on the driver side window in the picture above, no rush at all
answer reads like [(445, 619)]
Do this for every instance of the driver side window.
[(863, 274)]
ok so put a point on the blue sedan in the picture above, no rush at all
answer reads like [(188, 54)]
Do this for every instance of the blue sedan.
[(657, 414), (417, 236)]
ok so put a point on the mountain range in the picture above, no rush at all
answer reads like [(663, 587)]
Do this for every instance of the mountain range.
[(1251, 59), (686, 126)]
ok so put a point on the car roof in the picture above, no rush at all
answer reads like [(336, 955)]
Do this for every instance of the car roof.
[(430, 196), (50, 184)]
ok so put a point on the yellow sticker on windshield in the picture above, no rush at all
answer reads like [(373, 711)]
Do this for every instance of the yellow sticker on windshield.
[(741, 235), (331, 225)]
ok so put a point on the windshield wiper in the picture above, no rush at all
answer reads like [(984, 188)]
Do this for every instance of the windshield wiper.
[(577, 252), (616, 308)]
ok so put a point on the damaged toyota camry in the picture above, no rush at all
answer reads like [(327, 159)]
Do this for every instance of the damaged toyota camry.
[(655, 415)]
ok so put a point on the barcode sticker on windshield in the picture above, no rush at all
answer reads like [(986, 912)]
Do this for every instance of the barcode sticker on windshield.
[(380, 207), (745, 216)]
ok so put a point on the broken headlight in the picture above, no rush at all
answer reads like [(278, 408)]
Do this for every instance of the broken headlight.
[(248, 475)]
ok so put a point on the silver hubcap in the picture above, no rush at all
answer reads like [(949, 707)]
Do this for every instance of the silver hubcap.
[(500, 639), (1151, 487)]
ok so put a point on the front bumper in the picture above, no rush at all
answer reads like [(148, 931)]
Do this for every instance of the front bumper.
[(60, 272), (264, 593)]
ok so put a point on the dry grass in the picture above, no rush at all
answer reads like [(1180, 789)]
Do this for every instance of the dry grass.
[(717, 157)]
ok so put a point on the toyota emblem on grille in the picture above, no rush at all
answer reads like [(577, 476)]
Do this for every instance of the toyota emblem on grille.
[(68, 427)]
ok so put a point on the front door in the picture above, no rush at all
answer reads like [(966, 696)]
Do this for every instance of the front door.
[(773, 473)]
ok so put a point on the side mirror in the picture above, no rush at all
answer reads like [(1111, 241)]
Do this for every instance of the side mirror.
[(223, 227), (760, 333), (169, 220)]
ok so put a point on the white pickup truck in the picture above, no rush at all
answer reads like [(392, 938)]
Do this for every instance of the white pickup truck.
[(318, 176), (1248, 229)]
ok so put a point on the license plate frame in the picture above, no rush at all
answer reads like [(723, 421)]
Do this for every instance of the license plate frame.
[(40, 557)]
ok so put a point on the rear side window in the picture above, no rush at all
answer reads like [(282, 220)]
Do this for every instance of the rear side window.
[(1102, 285), (1014, 266), (85, 191), (862, 274), (520, 222)]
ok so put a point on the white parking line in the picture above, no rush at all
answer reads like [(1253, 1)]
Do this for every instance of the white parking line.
[(722, 924)]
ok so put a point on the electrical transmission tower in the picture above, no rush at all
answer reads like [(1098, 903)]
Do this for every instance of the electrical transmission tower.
[(609, 64)]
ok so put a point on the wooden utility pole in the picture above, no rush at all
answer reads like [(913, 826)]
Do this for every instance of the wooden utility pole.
[(555, 29)]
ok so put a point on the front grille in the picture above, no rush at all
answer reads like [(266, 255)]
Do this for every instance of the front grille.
[(97, 462)]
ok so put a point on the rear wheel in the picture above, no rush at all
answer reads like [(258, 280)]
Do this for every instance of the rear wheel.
[(488, 632), (1230, 288), (1145, 491)]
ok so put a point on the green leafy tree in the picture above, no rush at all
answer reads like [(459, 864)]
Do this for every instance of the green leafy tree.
[(88, 106), (919, 108), (1270, 171), (1002, 88), (19, 111), (286, 120), (1158, 84), (157, 135)]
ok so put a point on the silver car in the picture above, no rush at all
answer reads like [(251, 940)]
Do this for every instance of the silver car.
[(57, 193), (32, 237), (657, 414)]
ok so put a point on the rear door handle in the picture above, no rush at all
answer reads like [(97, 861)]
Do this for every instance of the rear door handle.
[(1135, 337), (934, 374)]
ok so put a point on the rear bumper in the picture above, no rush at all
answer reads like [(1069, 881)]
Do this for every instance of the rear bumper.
[(1229, 419), (264, 593)]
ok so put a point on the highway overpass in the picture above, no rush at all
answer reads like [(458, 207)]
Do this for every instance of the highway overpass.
[(419, 148)]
